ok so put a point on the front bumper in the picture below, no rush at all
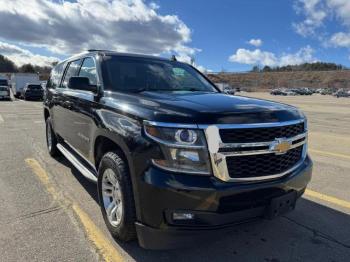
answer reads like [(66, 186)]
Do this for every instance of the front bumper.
[(216, 205)]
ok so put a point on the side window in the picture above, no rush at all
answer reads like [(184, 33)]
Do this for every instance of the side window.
[(55, 78), (88, 69), (72, 70)]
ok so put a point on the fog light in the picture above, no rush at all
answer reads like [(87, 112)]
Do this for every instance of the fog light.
[(183, 216)]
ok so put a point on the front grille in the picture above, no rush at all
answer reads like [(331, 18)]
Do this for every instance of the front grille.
[(262, 165), (261, 134)]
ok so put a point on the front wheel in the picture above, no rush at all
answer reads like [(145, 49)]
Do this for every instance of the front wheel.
[(116, 197), (51, 140)]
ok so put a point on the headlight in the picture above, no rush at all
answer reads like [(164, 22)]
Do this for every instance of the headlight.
[(184, 150)]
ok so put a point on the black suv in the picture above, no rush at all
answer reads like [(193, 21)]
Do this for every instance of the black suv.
[(174, 158), (33, 91)]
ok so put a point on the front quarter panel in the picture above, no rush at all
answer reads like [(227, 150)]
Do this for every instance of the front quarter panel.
[(127, 133)]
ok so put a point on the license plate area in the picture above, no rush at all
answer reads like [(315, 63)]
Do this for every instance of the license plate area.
[(281, 205)]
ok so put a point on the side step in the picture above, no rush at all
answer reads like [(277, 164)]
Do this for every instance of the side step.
[(76, 163)]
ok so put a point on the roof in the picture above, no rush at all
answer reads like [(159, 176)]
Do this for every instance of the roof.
[(113, 53)]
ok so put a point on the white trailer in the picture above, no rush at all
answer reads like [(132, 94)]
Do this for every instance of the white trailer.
[(19, 80)]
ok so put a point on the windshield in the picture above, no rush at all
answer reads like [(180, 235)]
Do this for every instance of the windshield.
[(3, 82), (134, 74)]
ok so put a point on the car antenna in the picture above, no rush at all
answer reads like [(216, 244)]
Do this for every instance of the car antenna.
[(173, 58)]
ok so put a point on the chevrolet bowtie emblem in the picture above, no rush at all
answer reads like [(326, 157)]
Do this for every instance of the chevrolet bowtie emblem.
[(280, 146)]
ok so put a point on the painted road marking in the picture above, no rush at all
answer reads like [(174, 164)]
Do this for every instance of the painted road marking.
[(330, 199), (1, 119), (102, 244), (329, 153)]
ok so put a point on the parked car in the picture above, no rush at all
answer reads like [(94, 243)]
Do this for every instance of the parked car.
[(342, 93), (278, 92), (33, 91), (19, 81), (171, 154), (229, 91), (226, 88), (302, 91), (5, 92)]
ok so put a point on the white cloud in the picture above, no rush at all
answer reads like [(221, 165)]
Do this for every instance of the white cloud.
[(244, 56), (22, 56), (315, 13), (257, 56), (341, 8), (303, 55), (66, 27), (255, 42), (340, 40)]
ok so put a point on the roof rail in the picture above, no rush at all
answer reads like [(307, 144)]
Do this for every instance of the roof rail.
[(96, 50)]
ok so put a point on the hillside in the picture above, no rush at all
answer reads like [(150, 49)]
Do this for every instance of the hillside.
[(267, 80)]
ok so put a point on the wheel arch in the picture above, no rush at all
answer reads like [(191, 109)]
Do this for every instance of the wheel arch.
[(104, 143)]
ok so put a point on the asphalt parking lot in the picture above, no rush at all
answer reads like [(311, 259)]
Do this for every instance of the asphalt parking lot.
[(49, 212)]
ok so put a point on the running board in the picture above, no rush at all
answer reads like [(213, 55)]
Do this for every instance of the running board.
[(76, 163)]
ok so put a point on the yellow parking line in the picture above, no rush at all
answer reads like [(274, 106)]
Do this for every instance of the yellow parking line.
[(330, 199), (103, 245), (329, 153)]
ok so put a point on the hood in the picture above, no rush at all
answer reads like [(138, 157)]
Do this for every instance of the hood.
[(202, 108)]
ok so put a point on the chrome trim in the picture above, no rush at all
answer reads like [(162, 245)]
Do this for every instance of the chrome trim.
[(255, 125), (79, 154), (76, 163), (262, 144), (176, 125), (177, 171), (218, 159)]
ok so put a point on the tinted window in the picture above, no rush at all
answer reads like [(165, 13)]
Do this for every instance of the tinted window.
[(88, 69), (132, 74), (3, 82), (34, 87), (72, 70), (56, 75)]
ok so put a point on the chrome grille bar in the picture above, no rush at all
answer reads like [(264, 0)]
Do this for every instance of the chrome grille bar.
[(244, 152), (218, 158)]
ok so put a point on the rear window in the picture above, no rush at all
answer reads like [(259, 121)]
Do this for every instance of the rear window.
[(3, 82), (34, 87)]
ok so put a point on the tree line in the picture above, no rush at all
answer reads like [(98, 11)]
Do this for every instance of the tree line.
[(317, 66), (8, 66)]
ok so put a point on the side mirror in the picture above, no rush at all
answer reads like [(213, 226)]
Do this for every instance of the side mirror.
[(81, 83)]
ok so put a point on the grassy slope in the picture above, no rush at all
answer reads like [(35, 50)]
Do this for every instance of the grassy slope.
[(261, 81)]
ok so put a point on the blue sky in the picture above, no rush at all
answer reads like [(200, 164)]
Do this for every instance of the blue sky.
[(217, 33), (221, 27)]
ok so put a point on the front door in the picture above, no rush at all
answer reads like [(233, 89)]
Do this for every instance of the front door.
[(63, 108), (83, 111)]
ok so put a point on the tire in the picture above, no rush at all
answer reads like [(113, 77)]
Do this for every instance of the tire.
[(51, 144), (123, 228)]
